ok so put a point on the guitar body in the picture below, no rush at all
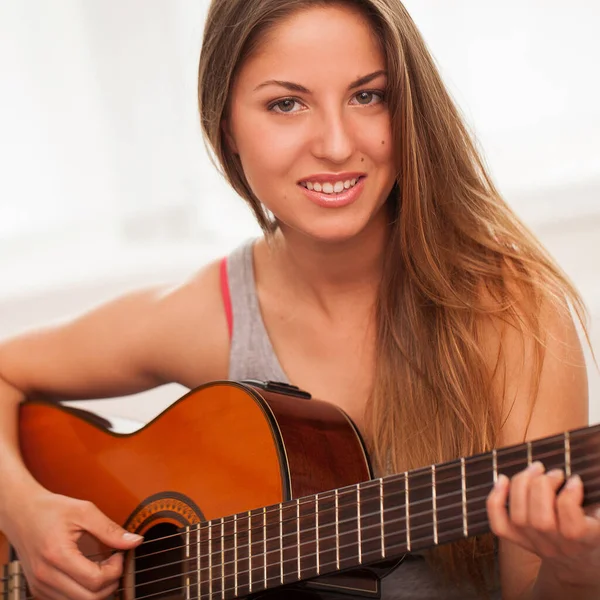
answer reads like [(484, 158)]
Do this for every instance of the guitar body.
[(222, 449)]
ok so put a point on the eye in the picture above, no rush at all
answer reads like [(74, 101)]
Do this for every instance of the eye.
[(366, 97), (285, 105)]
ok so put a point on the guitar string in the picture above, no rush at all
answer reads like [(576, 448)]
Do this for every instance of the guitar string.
[(364, 486), (390, 522), (274, 578), (376, 538), (343, 493), (351, 490), (277, 577), (293, 534), (415, 515)]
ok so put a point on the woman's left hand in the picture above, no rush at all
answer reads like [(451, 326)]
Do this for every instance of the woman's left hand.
[(553, 526)]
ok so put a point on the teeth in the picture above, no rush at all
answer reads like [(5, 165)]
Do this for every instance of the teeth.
[(330, 188)]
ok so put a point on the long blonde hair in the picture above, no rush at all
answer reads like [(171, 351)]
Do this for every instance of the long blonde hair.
[(455, 251)]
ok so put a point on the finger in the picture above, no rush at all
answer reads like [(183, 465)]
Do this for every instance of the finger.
[(69, 588), (53, 584), (542, 514), (500, 523), (574, 524), (89, 574), (519, 494), (105, 530)]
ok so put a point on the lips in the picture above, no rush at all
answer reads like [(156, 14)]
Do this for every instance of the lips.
[(334, 200)]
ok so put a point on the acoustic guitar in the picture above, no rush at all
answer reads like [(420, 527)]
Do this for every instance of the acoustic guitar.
[(252, 488)]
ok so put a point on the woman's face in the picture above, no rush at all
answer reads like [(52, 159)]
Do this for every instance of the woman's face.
[(311, 125)]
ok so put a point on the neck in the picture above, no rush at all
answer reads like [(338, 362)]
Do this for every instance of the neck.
[(328, 273)]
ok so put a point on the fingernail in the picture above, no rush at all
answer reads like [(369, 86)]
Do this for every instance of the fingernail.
[(557, 474), (574, 482), (132, 537), (536, 467), (501, 481)]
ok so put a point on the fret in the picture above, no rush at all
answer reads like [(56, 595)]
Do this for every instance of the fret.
[(299, 567), (229, 555), (317, 535), (203, 561), (381, 520), (529, 454), (567, 444), (434, 504), (584, 450), (198, 560), (249, 552), (290, 531), (348, 528), (281, 543), (479, 479), (512, 460), (327, 531), (241, 532), (222, 559), (407, 507), (448, 495), (421, 508), (370, 521), (396, 513), (265, 546), (308, 555), (549, 451), (495, 465), (464, 497), (272, 544), (358, 528), (235, 555), (274, 566), (257, 550), (186, 563), (210, 571), (337, 531)]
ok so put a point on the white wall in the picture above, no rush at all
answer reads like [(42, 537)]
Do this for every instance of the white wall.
[(106, 184)]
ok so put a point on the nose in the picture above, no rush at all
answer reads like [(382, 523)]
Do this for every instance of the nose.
[(333, 139)]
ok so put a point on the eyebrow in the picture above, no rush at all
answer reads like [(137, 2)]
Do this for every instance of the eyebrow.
[(296, 87)]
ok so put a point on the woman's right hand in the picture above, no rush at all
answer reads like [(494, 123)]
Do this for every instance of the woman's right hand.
[(45, 530)]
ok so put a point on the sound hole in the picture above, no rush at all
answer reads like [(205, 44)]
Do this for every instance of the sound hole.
[(159, 565)]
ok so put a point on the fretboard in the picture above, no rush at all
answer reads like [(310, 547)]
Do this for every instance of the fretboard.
[(371, 521)]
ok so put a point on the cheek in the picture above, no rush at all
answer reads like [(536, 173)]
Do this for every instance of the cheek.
[(267, 150), (377, 142)]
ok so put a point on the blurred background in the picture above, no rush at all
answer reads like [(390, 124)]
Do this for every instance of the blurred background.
[(106, 184)]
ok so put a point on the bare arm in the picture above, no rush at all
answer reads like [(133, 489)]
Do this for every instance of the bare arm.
[(533, 534), (133, 343)]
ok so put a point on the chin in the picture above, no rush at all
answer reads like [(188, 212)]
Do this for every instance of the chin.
[(332, 231)]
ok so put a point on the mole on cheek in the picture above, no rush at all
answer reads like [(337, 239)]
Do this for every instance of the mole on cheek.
[(362, 159), (382, 142)]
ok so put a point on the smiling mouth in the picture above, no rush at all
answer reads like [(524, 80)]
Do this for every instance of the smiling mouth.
[(331, 187)]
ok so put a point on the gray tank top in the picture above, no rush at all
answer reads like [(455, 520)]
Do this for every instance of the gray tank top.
[(252, 357)]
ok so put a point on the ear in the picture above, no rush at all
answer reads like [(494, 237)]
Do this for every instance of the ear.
[(228, 137)]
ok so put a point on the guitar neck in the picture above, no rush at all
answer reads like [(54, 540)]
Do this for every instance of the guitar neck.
[(375, 520)]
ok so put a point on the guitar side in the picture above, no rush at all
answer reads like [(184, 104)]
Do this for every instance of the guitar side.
[(224, 448)]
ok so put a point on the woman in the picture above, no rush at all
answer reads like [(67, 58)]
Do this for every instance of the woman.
[(392, 281)]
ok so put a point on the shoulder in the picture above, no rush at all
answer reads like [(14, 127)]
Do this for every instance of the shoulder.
[(189, 329), (534, 354)]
